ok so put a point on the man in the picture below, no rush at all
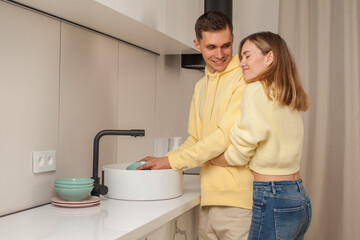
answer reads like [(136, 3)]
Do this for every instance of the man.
[(226, 192)]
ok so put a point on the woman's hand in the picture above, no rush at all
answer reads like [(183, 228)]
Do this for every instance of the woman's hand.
[(219, 161), (156, 163)]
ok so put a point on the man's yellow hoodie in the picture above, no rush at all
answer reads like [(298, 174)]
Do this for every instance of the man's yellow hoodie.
[(214, 108)]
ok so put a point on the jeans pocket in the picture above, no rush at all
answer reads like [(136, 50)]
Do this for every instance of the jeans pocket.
[(308, 218), (256, 221), (288, 222)]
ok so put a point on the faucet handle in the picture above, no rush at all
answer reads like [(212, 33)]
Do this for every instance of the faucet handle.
[(99, 190)]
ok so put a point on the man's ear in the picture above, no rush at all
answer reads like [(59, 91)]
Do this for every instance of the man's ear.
[(197, 45), (269, 58)]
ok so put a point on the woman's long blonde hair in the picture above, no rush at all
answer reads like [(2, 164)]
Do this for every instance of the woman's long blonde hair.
[(281, 79)]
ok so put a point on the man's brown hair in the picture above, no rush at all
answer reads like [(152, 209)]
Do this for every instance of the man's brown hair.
[(212, 21)]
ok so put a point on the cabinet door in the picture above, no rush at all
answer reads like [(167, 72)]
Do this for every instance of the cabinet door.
[(148, 12), (186, 226), (172, 17), (180, 18), (167, 231), (182, 228)]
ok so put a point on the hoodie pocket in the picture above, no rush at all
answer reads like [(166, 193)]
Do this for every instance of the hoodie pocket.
[(226, 177)]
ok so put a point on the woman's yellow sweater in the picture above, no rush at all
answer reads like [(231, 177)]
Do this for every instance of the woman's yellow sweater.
[(215, 106), (268, 137)]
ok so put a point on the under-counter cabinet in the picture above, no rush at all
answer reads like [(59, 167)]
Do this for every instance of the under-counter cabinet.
[(182, 228)]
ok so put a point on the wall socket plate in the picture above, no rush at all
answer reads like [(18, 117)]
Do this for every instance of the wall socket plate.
[(44, 161)]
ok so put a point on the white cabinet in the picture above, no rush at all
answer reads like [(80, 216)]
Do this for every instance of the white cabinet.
[(186, 226), (161, 26), (182, 228), (138, 22), (148, 12), (180, 18), (172, 17)]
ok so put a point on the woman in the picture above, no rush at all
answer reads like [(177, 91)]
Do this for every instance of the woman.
[(269, 136)]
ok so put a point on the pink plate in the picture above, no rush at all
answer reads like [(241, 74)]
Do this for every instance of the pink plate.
[(87, 200), (76, 205)]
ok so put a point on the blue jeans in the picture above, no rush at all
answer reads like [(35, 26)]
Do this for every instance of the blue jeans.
[(281, 211)]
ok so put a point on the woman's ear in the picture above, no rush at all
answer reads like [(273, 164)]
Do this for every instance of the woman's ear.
[(269, 58)]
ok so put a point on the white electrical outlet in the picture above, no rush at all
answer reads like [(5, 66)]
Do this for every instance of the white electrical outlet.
[(44, 161)]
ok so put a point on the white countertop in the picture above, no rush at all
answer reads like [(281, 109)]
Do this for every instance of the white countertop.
[(112, 219)]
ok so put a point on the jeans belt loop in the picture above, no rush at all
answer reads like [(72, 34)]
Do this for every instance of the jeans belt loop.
[(273, 188), (298, 184)]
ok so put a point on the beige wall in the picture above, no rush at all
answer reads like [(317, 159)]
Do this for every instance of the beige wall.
[(61, 84)]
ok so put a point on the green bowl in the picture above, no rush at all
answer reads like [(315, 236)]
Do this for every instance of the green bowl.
[(73, 194), (74, 181), (135, 165), (73, 186)]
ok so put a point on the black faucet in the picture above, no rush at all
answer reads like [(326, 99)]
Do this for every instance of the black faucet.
[(101, 188)]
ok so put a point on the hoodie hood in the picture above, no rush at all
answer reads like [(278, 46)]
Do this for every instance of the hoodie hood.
[(233, 64)]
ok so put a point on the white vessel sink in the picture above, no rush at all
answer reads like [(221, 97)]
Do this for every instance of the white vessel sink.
[(141, 184)]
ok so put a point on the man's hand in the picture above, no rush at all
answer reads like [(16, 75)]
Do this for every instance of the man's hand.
[(156, 163), (219, 161)]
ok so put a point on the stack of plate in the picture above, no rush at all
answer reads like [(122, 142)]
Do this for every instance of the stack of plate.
[(74, 189), (87, 202)]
